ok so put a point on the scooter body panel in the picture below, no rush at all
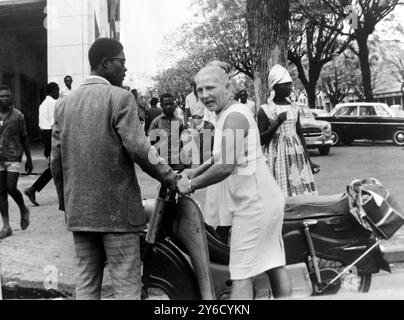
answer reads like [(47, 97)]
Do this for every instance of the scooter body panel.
[(167, 268), (189, 228)]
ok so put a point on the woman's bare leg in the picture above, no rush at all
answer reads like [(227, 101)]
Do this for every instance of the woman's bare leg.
[(242, 290), (281, 284)]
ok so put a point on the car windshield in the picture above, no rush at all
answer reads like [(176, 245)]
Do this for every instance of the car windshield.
[(305, 112), (345, 111)]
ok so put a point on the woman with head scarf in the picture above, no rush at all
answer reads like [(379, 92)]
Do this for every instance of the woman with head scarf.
[(250, 194), (282, 138)]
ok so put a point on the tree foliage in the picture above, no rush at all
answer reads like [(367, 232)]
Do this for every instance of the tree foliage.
[(364, 16), (315, 38)]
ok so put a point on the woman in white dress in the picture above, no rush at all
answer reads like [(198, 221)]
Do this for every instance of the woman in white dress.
[(250, 195)]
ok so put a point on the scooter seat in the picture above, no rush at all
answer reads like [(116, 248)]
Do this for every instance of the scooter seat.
[(316, 206)]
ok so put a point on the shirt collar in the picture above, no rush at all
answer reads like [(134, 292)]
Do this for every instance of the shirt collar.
[(98, 77)]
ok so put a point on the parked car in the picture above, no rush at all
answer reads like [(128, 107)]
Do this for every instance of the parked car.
[(374, 121), (316, 132)]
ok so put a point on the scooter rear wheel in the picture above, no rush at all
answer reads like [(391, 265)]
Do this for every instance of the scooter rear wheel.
[(353, 281)]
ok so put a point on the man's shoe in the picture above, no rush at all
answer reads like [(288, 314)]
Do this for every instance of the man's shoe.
[(31, 195), (6, 232), (24, 223)]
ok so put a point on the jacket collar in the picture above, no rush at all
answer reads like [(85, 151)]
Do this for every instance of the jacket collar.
[(96, 80)]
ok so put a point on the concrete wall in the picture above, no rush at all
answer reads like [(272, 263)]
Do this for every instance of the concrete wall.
[(71, 31)]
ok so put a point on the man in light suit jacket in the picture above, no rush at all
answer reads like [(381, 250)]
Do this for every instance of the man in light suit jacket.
[(97, 137)]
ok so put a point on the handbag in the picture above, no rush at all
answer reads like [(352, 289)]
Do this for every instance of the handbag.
[(374, 207)]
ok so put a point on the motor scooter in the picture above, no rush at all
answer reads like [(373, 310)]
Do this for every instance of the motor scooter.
[(183, 258)]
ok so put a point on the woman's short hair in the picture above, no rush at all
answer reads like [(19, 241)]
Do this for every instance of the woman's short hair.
[(222, 70), (103, 48)]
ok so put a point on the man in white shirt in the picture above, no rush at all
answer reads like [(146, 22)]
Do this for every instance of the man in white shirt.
[(194, 109), (65, 91), (243, 96), (46, 120)]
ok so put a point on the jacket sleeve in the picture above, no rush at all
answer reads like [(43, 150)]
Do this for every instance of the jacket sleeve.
[(56, 166), (127, 124)]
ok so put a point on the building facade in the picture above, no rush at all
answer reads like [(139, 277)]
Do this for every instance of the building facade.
[(43, 41)]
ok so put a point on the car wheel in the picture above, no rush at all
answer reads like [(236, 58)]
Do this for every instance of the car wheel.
[(324, 151), (336, 138), (398, 137)]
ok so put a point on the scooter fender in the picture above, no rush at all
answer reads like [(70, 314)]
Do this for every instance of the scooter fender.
[(189, 228)]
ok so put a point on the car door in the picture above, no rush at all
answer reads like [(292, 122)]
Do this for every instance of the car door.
[(367, 123), (344, 120)]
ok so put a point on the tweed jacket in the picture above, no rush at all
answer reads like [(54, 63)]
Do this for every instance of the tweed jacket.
[(96, 138)]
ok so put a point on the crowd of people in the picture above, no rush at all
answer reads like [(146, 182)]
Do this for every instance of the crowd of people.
[(95, 133)]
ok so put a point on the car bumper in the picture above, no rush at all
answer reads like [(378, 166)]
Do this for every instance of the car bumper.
[(316, 142)]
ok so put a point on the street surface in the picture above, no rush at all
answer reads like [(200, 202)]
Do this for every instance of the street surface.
[(31, 258)]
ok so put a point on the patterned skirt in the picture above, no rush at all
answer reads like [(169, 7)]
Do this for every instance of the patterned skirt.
[(289, 164)]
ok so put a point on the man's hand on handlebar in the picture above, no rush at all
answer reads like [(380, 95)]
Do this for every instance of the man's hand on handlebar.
[(171, 181)]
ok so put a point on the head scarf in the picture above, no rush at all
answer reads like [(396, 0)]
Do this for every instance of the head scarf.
[(277, 74)]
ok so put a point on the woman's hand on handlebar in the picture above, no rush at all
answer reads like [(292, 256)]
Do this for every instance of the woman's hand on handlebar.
[(189, 173), (184, 185)]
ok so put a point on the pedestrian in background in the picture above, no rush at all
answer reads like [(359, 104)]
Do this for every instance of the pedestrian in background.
[(282, 138), (14, 141), (46, 120), (140, 107), (243, 98), (152, 113), (194, 109), (96, 139), (167, 129), (67, 89)]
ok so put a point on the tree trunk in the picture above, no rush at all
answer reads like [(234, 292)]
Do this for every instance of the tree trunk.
[(311, 96), (268, 31), (363, 54)]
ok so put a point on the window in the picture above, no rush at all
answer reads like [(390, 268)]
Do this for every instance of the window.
[(382, 112), (367, 111), (347, 111)]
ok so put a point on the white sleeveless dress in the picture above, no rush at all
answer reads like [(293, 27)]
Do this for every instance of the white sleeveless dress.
[(252, 202)]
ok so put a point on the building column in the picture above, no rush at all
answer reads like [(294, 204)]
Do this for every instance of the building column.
[(71, 31)]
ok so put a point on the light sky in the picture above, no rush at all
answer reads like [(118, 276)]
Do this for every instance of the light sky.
[(144, 24)]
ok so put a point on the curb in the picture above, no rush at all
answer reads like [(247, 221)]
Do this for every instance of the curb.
[(13, 289)]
